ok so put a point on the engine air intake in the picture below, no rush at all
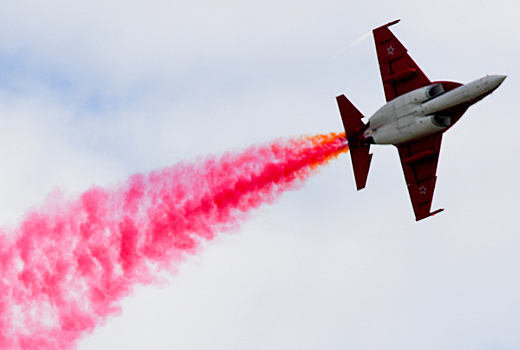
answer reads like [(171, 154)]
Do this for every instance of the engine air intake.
[(435, 90)]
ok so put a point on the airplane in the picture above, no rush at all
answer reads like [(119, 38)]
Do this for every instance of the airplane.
[(417, 113)]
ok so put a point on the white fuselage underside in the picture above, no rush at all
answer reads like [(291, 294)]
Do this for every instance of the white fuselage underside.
[(418, 113)]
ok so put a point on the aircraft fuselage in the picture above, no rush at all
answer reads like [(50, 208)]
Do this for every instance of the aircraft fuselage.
[(414, 119), (426, 110)]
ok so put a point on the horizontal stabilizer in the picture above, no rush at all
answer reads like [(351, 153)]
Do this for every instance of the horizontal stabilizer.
[(361, 159), (359, 149), (351, 118)]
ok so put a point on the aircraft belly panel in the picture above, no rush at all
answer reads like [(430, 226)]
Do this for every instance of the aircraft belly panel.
[(406, 129), (404, 123)]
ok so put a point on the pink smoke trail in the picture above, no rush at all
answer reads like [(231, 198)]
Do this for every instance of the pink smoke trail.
[(65, 268)]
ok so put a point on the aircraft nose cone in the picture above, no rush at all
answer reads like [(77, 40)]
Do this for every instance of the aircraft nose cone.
[(501, 78), (496, 80)]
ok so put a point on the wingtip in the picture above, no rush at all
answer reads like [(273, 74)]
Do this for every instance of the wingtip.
[(389, 24), (393, 22), (430, 214), (437, 212)]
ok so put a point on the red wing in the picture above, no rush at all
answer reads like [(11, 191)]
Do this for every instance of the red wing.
[(419, 160), (399, 72)]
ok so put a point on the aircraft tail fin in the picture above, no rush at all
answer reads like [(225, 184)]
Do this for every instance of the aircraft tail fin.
[(358, 145), (361, 159)]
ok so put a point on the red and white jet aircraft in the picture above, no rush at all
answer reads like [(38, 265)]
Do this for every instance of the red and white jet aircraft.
[(414, 118)]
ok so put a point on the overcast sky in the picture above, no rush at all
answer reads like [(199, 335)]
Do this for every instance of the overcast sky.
[(94, 91)]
